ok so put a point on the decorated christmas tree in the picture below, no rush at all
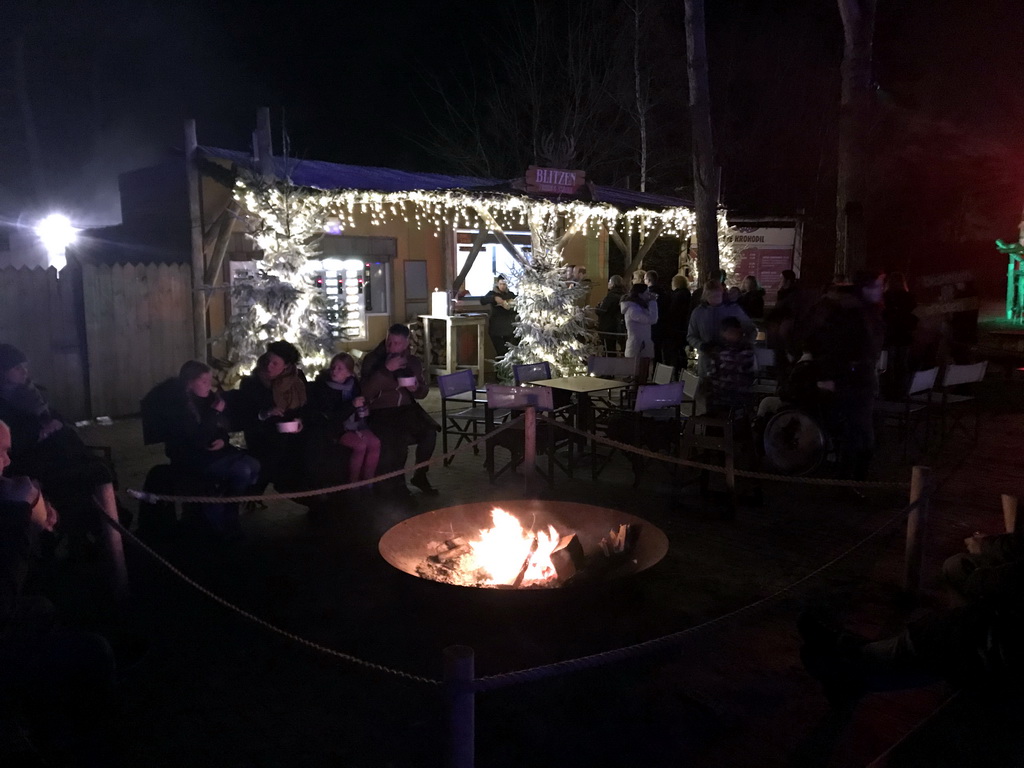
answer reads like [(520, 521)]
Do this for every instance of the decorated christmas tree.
[(552, 323), (280, 301)]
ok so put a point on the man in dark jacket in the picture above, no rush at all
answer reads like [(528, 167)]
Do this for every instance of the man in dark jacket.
[(844, 336), (609, 316), (393, 381), (677, 322), (662, 295)]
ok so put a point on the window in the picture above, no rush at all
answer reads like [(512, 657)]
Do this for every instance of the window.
[(355, 275), (492, 260)]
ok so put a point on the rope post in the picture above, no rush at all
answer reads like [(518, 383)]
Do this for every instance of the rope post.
[(1009, 513), (459, 671), (917, 523), (530, 444)]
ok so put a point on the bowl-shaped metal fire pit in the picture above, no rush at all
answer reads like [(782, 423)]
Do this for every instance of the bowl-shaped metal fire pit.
[(411, 543)]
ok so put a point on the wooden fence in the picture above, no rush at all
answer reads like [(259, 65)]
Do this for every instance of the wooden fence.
[(100, 336), (138, 330), (39, 314)]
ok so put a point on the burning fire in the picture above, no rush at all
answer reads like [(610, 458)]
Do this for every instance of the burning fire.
[(507, 554)]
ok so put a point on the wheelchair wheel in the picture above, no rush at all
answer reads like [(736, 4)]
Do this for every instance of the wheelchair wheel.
[(794, 443)]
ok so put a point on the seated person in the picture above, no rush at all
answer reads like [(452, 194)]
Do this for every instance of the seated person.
[(197, 441), (76, 481), (336, 416), (393, 381), (63, 678), (274, 393)]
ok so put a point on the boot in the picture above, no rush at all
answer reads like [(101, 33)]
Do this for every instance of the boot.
[(420, 480)]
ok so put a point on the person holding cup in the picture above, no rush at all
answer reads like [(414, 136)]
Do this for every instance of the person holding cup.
[(393, 382), (337, 406)]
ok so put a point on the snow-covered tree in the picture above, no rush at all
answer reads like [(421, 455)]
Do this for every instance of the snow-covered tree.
[(552, 323)]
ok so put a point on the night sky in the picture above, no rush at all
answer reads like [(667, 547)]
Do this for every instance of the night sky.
[(111, 83)]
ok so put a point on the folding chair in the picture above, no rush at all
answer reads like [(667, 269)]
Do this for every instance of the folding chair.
[(513, 400), (652, 423), (528, 372), (915, 406), (663, 374), (690, 382), (952, 404), (469, 420), (622, 368)]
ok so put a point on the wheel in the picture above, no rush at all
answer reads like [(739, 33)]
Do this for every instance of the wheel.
[(794, 443)]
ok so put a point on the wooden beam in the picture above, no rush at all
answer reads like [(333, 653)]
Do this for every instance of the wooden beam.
[(220, 247), (478, 244), (499, 233), (645, 247), (195, 210)]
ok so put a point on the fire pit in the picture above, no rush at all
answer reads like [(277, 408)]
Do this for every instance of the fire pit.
[(523, 545)]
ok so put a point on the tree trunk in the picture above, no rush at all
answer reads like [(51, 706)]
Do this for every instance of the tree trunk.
[(705, 175), (640, 94), (854, 106)]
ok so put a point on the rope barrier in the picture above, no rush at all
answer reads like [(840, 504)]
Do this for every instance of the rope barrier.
[(257, 620), (152, 498), (626, 447), (492, 682), (502, 680)]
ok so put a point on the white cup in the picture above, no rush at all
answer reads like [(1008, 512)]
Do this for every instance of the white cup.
[(289, 427), (407, 381)]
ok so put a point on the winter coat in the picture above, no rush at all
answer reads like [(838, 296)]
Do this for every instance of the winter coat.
[(640, 318), (677, 317), (706, 328), (844, 335), (196, 424), (609, 311), (331, 408), (503, 321), (752, 302), (380, 386), (899, 317)]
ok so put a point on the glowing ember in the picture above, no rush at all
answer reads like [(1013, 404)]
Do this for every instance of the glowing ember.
[(506, 554)]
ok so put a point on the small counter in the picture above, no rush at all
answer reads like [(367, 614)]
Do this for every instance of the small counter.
[(454, 327)]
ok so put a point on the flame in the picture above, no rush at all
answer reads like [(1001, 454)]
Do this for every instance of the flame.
[(497, 555)]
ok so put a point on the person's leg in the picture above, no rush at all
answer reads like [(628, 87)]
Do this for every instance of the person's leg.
[(389, 424), (357, 454), (425, 437), (236, 473), (372, 456), (104, 498)]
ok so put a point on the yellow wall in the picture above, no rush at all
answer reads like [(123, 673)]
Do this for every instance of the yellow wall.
[(412, 243)]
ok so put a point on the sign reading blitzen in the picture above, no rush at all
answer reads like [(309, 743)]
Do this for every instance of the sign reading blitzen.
[(554, 181)]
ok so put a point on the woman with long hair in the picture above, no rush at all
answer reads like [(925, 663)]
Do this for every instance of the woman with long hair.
[(274, 394)]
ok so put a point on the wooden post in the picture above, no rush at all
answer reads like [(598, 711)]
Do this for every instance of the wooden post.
[(1010, 513), (195, 212), (530, 444), (917, 524), (458, 676)]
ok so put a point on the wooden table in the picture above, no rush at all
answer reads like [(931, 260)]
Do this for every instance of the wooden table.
[(452, 325), (582, 387)]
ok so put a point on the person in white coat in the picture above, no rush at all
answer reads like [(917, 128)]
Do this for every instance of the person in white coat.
[(640, 313)]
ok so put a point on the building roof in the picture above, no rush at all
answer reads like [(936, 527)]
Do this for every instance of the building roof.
[(319, 174)]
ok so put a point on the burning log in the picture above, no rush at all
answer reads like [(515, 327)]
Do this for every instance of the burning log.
[(568, 557)]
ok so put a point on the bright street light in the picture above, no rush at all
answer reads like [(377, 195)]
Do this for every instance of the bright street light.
[(56, 234)]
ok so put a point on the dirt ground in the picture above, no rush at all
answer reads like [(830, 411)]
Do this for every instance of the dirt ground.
[(216, 688)]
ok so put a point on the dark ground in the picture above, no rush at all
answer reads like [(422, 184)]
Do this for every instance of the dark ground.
[(215, 689)]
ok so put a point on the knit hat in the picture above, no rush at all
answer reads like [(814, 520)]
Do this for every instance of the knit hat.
[(10, 356)]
